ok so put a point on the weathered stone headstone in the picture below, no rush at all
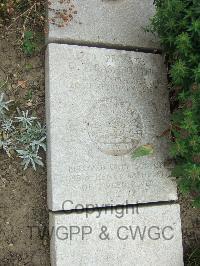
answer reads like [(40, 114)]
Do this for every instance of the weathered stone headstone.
[(148, 236), (109, 23), (101, 105)]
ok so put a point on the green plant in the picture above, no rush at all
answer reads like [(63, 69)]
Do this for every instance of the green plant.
[(177, 23), (21, 135), (27, 16), (29, 45), (3, 106)]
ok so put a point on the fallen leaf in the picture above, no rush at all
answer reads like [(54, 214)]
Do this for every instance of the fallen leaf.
[(22, 84), (10, 10), (29, 103), (143, 151)]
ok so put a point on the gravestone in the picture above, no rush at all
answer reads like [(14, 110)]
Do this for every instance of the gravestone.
[(108, 23), (101, 106), (148, 236)]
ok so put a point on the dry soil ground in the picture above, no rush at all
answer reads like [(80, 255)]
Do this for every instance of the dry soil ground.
[(23, 210)]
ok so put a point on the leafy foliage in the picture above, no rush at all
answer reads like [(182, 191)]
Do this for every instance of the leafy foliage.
[(29, 45), (21, 135), (177, 23), (3, 106)]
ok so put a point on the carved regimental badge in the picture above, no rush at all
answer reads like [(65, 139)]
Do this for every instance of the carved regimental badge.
[(115, 126)]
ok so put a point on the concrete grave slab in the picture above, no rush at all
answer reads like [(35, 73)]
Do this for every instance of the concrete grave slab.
[(148, 236), (101, 105), (108, 23)]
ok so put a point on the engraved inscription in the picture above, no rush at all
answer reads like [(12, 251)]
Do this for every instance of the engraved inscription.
[(97, 167)]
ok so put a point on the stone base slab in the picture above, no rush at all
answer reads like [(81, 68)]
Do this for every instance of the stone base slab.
[(147, 236), (108, 23)]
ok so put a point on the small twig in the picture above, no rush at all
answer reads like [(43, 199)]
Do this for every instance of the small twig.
[(21, 15), (25, 20)]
